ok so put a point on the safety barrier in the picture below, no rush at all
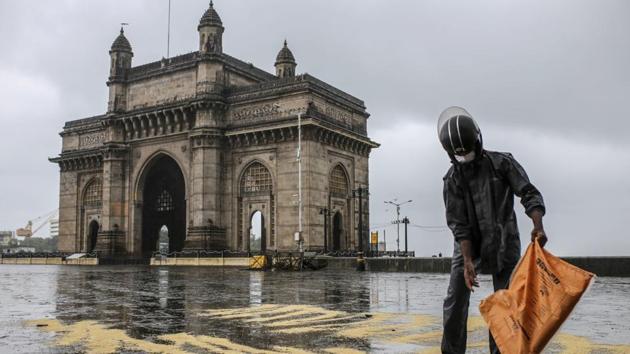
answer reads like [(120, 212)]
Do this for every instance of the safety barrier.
[(48, 258)]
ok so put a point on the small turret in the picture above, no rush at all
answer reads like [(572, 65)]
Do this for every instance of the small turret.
[(285, 62), (210, 32), (121, 55)]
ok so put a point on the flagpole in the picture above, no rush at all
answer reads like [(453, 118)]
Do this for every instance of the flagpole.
[(168, 32), (299, 160)]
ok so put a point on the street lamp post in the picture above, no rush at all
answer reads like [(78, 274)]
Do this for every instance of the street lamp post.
[(326, 213), (397, 221), (359, 193)]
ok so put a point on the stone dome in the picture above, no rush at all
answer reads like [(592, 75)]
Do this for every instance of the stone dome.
[(210, 18), (285, 55), (121, 44)]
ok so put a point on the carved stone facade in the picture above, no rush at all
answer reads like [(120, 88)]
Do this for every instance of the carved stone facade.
[(198, 143)]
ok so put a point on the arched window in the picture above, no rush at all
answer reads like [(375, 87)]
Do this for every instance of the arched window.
[(339, 182), (164, 201), (256, 179), (93, 195)]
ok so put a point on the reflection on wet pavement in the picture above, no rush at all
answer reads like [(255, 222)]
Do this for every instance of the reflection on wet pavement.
[(201, 310)]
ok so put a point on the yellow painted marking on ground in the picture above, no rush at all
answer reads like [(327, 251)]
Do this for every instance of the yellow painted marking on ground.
[(294, 313), (317, 320), (244, 312), (579, 345), (214, 344), (313, 314), (99, 339), (180, 339), (418, 337), (370, 327), (475, 323), (343, 351), (291, 350), (311, 329), (478, 345), (393, 328), (432, 350), (381, 326)]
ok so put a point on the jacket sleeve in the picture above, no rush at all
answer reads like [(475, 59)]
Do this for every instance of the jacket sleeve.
[(531, 198), (456, 211)]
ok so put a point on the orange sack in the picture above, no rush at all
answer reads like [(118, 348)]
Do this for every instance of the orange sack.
[(543, 291)]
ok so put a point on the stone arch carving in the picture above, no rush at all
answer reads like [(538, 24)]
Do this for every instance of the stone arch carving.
[(255, 192), (245, 168), (340, 203), (92, 194), (255, 178), (91, 202), (339, 181)]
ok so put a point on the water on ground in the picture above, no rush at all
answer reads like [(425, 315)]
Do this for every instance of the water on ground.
[(141, 309)]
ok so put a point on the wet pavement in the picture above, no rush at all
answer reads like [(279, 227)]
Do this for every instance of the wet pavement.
[(131, 309)]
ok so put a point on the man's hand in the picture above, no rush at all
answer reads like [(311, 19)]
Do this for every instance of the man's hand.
[(470, 276), (538, 233)]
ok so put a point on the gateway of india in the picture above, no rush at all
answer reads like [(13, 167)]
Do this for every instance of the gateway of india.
[(203, 146)]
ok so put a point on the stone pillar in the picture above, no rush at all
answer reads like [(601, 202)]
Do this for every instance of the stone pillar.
[(205, 230), (111, 238), (69, 240)]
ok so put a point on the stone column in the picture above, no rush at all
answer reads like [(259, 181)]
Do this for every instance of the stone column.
[(206, 230), (111, 238)]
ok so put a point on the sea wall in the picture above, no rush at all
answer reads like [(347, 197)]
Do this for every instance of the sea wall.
[(49, 260), (601, 266)]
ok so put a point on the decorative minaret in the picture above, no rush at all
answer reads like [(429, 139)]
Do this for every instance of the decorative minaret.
[(121, 55), (210, 32), (285, 62), (206, 229)]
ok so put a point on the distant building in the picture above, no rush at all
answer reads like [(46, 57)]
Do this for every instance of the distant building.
[(54, 227), (5, 238), (201, 143)]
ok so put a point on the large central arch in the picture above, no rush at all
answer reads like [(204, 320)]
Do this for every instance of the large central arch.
[(163, 204)]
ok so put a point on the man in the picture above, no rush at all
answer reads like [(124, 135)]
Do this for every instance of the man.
[(479, 191)]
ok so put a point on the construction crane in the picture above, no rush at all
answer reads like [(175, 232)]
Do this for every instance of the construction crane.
[(28, 231)]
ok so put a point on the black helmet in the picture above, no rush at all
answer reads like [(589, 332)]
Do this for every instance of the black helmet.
[(458, 132)]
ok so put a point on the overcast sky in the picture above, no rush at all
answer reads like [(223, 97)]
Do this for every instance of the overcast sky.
[(548, 81)]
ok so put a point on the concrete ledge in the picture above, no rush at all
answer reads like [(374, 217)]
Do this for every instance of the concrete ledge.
[(82, 261), (201, 261), (416, 265), (49, 261), (601, 266), (339, 262)]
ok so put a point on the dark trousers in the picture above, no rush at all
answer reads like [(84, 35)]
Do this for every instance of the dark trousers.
[(456, 307)]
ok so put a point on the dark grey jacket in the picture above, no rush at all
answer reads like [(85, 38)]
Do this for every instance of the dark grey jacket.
[(486, 216)]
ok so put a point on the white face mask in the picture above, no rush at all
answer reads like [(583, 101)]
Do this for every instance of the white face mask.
[(465, 158)]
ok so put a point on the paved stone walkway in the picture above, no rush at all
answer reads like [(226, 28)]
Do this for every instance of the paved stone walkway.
[(200, 310)]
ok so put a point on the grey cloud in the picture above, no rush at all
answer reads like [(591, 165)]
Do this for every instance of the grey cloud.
[(548, 81)]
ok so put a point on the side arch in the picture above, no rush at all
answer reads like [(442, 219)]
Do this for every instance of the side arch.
[(255, 190), (339, 233), (90, 202)]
